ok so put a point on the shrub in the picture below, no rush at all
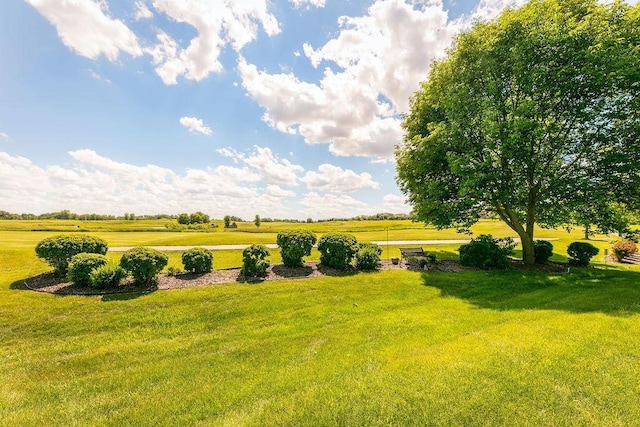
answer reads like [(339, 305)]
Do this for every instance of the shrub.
[(254, 263), (107, 276), (543, 249), (580, 253), (368, 256), (294, 245), (337, 249), (487, 252), (623, 248), (144, 264), (57, 251), (198, 260), (81, 266)]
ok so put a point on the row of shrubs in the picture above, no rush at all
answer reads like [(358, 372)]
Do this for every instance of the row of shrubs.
[(83, 260), (485, 251)]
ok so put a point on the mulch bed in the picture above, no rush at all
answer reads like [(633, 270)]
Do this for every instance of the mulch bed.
[(54, 284)]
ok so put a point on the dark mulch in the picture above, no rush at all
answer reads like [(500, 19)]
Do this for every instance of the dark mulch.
[(54, 284)]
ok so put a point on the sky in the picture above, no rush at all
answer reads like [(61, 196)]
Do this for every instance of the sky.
[(281, 108)]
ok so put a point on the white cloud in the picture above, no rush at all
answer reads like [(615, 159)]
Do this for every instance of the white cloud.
[(195, 125), (142, 11), (317, 3), (272, 169), (381, 58), (396, 204), (86, 27), (4, 135), (334, 179), (232, 23), (98, 184), (332, 206)]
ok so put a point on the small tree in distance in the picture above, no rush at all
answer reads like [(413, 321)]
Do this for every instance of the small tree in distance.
[(257, 221), (227, 221)]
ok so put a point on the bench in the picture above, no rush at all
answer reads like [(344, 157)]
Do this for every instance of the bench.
[(411, 252)]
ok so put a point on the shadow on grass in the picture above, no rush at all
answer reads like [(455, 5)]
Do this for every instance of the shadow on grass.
[(586, 290), (19, 285), (124, 296)]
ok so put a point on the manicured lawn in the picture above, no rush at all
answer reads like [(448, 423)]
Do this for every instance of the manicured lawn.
[(387, 348)]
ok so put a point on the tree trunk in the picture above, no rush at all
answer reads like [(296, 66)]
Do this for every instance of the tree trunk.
[(587, 229), (528, 252)]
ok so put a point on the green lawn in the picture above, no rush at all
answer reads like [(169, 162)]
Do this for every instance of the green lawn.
[(387, 348)]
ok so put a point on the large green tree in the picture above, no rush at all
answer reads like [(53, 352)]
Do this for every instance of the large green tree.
[(524, 116)]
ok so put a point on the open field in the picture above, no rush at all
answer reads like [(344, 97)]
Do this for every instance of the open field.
[(386, 348)]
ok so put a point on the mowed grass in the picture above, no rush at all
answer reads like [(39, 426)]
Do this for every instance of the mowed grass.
[(386, 348)]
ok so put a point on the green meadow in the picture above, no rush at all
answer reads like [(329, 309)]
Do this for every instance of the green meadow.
[(384, 348)]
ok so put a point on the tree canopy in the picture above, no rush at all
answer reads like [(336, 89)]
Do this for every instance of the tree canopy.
[(528, 117)]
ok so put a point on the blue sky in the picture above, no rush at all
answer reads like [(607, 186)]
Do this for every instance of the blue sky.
[(282, 108)]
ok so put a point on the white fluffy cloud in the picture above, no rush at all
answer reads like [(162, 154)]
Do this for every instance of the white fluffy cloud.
[(142, 11), (317, 3), (396, 204), (97, 184), (334, 179), (380, 58), (332, 206), (218, 24), (272, 169), (195, 125), (4, 135), (86, 27)]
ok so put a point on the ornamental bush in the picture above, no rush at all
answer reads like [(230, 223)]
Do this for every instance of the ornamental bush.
[(337, 249), (144, 264), (108, 276), (294, 245), (254, 263), (623, 248), (580, 253), (57, 251), (543, 250), (81, 266), (198, 260), (368, 256), (487, 252)]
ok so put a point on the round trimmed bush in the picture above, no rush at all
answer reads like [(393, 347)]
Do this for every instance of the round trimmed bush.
[(57, 251), (337, 249), (197, 260), (254, 263), (487, 252), (81, 266), (580, 253), (543, 250), (294, 245), (144, 264), (623, 248), (368, 256), (107, 276)]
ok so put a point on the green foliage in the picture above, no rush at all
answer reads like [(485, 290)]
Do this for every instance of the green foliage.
[(543, 251), (81, 266), (623, 248), (337, 249), (257, 221), (294, 245), (197, 260), (580, 253), (144, 264), (227, 221), (487, 252), (57, 251), (194, 218), (510, 123), (254, 262), (107, 276), (368, 256)]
